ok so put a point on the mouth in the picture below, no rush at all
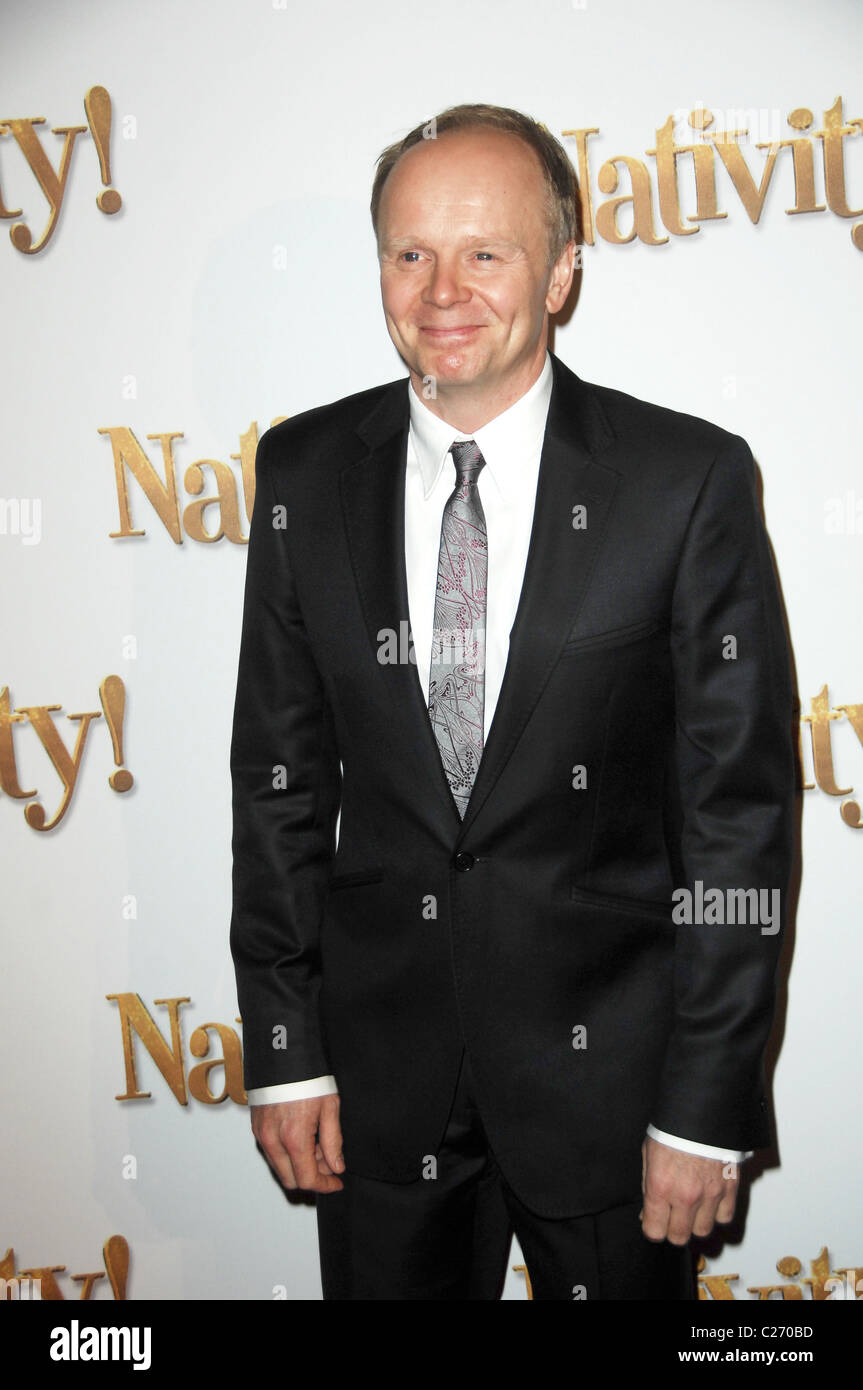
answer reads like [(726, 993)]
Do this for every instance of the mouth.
[(453, 334)]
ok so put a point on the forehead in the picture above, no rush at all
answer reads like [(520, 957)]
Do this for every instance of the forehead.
[(473, 167)]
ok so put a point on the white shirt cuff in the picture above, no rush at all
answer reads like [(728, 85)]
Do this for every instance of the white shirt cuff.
[(293, 1090), (692, 1146)]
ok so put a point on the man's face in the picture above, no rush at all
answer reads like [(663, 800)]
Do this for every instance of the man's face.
[(465, 279)]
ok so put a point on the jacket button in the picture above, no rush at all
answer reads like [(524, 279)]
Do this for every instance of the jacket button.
[(464, 862)]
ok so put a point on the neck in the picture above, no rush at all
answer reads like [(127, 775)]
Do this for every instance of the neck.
[(466, 410)]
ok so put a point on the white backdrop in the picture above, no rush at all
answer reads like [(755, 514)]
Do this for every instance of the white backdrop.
[(238, 283)]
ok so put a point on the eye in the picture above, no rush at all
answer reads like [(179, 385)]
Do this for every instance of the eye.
[(487, 254), (410, 256)]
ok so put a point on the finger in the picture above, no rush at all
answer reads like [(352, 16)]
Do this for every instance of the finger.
[(277, 1156), (654, 1216), (704, 1217), (725, 1210), (323, 1166), (301, 1147), (330, 1137), (680, 1221)]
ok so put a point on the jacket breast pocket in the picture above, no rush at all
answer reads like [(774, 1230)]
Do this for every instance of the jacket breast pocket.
[(613, 637)]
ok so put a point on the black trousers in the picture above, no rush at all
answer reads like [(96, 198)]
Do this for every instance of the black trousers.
[(447, 1235)]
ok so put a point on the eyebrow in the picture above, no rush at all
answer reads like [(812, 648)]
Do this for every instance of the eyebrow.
[(408, 243)]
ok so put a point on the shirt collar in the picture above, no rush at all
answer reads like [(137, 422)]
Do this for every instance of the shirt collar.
[(504, 442)]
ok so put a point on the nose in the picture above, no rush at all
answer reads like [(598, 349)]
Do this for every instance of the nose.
[(444, 286)]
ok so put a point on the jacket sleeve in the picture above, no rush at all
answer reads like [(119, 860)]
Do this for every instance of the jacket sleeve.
[(286, 787), (736, 783)]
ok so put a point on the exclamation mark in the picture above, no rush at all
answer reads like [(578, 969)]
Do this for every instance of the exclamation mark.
[(116, 1255), (112, 693), (97, 104)]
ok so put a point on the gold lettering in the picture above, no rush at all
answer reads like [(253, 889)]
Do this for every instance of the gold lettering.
[(115, 1253), (666, 153), (717, 1285), (49, 1288), (819, 722), (751, 195), (51, 181), (820, 1267), (226, 501), (642, 209), (581, 137), (162, 496), (8, 767), (831, 136), (87, 1281), (231, 1060), (789, 1292), (804, 165), (135, 1015), (66, 766)]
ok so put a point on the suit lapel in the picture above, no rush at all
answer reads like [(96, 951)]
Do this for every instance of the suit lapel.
[(559, 565), (372, 495)]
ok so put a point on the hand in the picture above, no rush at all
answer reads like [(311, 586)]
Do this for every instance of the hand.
[(684, 1194), (302, 1142)]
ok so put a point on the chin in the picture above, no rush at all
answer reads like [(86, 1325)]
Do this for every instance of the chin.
[(453, 368)]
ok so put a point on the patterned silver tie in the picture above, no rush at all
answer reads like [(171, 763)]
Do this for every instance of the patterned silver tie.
[(457, 675)]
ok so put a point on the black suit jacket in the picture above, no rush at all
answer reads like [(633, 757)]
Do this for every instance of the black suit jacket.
[(549, 908)]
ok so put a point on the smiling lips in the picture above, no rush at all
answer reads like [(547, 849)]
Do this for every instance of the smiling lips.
[(454, 331)]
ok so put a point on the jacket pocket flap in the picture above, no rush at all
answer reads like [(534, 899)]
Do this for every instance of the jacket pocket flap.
[(614, 637)]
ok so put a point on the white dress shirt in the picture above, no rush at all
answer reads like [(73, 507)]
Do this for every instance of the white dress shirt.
[(511, 445)]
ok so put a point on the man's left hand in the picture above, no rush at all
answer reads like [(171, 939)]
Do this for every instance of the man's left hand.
[(684, 1194)]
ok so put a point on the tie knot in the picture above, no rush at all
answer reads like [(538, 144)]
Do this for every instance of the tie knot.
[(468, 460)]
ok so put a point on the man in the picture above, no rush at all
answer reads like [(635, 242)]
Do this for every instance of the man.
[(522, 633)]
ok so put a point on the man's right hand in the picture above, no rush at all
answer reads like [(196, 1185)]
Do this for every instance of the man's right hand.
[(302, 1142)]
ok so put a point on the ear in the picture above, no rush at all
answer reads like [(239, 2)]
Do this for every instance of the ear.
[(560, 281)]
